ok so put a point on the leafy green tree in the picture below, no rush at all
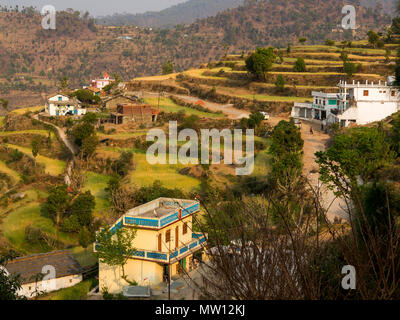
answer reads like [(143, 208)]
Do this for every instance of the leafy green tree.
[(287, 150), (35, 148), (344, 56), (85, 237), (10, 284), (302, 40), (89, 145), (167, 67), (64, 83), (373, 38), (86, 96), (260, 62), (329, 42), (82, 207), (358, 153), (349, 68), (4, 104), (115, 249), (56, 205), (280, 83), (300, 65)]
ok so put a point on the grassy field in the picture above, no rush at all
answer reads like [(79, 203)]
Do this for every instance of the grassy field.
[(261, 97), (14, 228), (157, 78), (53, 167), (96, 183), (28, 109), (145, 174), (11, 173), (168, 105), (37, 132), (122, 135), (77, 292)]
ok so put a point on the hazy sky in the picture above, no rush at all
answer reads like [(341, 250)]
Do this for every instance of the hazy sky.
[(98, 7)]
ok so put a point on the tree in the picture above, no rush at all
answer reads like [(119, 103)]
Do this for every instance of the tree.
[(373, 37), (329, 42), (82, 207), (302, 40), (260, 62), (35, 148), (4, 104), (286, 149), (86, 96), (115, 249), (167, 67), (56, 205), (10, 284), (280, 83), (89, 145), (300, 65), (85, 238), (349, 68), (356, 154), (344, 56)]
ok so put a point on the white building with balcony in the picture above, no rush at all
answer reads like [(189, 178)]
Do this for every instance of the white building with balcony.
[(165, 243), (62, 105), (359, 103)]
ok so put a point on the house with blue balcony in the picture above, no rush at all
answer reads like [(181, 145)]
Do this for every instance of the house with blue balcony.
[(165, 243)]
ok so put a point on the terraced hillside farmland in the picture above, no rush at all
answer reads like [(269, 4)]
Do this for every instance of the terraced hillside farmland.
[(228, 81)]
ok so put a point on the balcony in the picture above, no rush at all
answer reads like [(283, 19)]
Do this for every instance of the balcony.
[(198, 242), (145, 218)]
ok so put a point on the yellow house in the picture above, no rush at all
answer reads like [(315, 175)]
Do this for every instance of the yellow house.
[(164, 243)]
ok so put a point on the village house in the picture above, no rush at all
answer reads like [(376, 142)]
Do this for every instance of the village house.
[(62, 105), (112, 103), (165, 243), (101, 83), (359, 103), (138, 113), (68, 272)]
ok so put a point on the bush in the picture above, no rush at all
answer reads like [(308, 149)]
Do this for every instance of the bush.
[(299, 65)]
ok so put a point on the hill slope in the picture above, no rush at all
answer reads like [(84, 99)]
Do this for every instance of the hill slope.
[(33, 59), (187, 12)]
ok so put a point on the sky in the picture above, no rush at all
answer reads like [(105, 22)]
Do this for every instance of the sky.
[(98, 7)]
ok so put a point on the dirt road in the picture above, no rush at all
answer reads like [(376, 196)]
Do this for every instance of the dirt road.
[(228, 109)]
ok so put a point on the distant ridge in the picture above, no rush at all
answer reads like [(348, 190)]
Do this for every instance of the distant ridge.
[(183, 13)]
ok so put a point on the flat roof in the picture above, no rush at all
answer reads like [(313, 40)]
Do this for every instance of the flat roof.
[(160, 207)]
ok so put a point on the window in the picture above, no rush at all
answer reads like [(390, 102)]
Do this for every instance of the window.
[(393, 93), (366, 93), (159, 242), (185, 228), (168, 236), (59, 98), (70, 280)]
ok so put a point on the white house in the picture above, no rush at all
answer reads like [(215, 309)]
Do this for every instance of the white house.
[(61, 105), (45, 272), (359, 103), (101, 83)]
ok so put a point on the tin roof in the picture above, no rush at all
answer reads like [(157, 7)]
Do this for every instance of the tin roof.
[(29, 266)]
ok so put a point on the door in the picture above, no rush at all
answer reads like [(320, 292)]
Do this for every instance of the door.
[(177, 237)]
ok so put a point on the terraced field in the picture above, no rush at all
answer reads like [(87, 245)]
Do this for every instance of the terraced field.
[(53, 167), (15, 177)]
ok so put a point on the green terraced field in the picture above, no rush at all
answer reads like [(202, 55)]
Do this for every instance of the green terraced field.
[(53, 167), (168, 105), (11, 173)]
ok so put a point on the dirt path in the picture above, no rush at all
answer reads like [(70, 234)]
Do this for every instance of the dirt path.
[(72, 147), (313, 143), (228, 109)]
